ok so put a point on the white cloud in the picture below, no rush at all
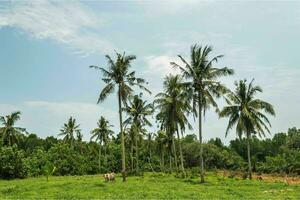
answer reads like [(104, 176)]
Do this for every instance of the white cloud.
[(68, 23), (7, 108), (160, 65)]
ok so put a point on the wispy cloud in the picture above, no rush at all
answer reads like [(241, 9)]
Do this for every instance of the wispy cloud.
[(162, 7), (69, 23), (160, 65)]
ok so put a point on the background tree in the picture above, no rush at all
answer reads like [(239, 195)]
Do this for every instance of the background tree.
[(8, 132), (173, 107), (161, 140), (138, 111), (101, 134), (69, 130), (118, 75), (201, 79), (247, 113)]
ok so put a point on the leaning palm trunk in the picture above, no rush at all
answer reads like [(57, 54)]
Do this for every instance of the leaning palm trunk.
[(122, 138), (249, 157), (181, 155), (200, 140)]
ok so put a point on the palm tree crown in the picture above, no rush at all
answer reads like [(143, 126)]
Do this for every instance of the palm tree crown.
[(137, 112), (173, 105), (118, 74), (201, 76), (68, 130), (245, 111), (9, 133), (102, 132)]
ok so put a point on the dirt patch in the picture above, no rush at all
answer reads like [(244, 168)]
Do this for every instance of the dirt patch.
[(290, 180)]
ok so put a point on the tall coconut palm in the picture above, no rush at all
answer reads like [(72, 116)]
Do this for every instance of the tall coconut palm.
[(101, 134), (247, 113), (69, 130), (174, 106), (201, 78), (8, 132), (118, 75), (138, 111)]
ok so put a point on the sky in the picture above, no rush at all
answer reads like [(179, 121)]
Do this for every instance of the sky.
[(46, 48)]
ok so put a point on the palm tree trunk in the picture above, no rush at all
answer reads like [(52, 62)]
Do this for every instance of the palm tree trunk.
[(150, 153), (105, 157), (99, 158), (136, 154), (181, 155), (122, 137), (175, 155), (131, 154), (162, 160), (170, 158), (249, 157), (200, 139)]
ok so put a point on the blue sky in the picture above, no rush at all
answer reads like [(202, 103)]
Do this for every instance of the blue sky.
[(46, 48)]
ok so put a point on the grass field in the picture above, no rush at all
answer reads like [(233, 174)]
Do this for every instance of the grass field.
[(149, 186)]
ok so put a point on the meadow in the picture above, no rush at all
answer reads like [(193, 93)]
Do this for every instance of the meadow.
[(150, 185)]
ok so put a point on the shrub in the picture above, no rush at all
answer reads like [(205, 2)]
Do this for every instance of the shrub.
[(36, 161), (12, 163)]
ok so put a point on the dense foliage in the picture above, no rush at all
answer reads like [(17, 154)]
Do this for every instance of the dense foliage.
[(280, 154)]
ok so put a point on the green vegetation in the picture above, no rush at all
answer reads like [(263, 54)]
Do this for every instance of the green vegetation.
[(168, 150), (159, 186)]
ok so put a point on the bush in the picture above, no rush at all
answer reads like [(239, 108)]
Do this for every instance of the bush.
[(66, 161), (288, 162), (69, 162), (12, 163), (36, 161)]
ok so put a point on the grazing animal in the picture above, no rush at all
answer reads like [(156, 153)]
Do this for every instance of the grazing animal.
[(109, 177)]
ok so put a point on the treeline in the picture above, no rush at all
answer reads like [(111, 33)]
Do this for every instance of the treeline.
[(34, 156)]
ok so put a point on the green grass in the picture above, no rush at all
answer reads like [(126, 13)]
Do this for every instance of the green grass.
[(158, 186)]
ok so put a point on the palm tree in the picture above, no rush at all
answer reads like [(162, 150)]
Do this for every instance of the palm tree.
[(10, 134), (68, 130), (174, 106), (101, 134), (245, 111), (138, 111), (201, 79), (118, 75)]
